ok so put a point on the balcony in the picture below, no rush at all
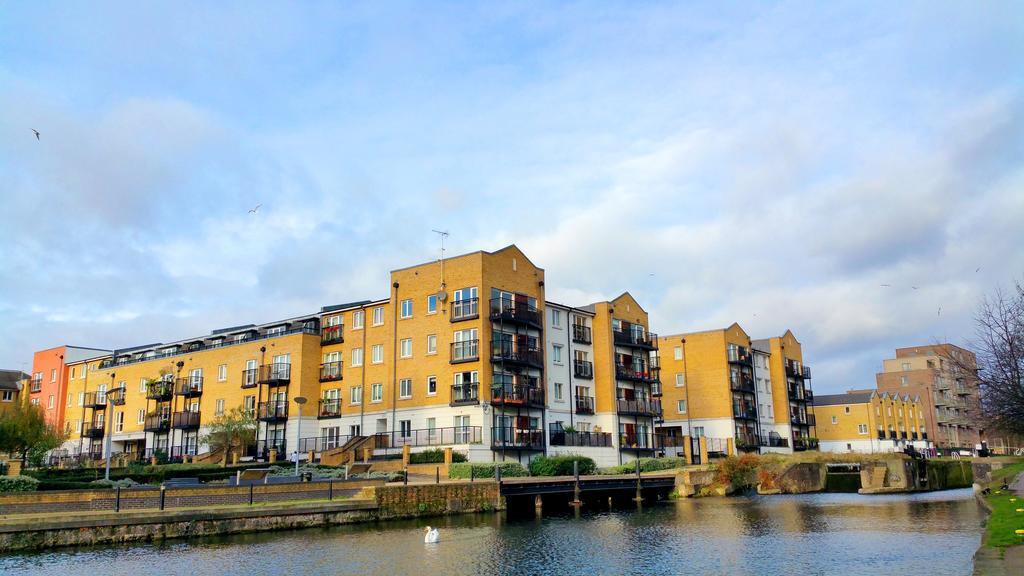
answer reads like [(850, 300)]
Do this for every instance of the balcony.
[(745, 383), (161, 390), (429, 437), (635, 337), (913, 435), (330, 371), (465, 394), (584, 405), (518, 394), (903, 435), (465, 309), (36, 386), (744, 411), (636, 373), (157, 423), (509, 438), (186, 420), (637, 442), (881, 434), (802, 443), (465, 351), (509, 353), (95, 400), (802, 419), (116, 396), (892, 434), (332, 335), (583, 369), (924, 435), (329, 408), (774, 441), (190, 387), (510, 311), (795, 370), (559, 437), (649, 408), (249, 378), (740, 355), (274, 411), (278, 374), (746, 442), (581, 334), (92, 430)]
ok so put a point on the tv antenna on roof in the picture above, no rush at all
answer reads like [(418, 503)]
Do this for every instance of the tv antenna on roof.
[(442, 296)]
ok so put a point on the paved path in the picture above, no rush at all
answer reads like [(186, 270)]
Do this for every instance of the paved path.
[(987, 561)]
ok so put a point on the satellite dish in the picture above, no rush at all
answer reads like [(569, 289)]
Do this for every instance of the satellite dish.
[(442, 295)]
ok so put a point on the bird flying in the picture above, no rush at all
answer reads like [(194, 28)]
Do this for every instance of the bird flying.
[(36, 132), (256, 209), (885, 285), (978, 269), (914, 287), (940, 311)]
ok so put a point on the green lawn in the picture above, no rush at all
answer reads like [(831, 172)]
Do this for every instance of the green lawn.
[(1005, 519)]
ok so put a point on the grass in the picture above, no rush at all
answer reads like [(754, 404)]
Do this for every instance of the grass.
[(1004, 520)]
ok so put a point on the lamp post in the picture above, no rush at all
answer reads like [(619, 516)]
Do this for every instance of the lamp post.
[(300, 400), (109, 416)]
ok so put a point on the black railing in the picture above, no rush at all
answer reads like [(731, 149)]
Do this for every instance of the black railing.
[(465, 309), (465, 393), (744, 411), (638, 441), (190, 386), (509, 352), (638, 407), (332, 335), (511, 438), (560, 437), (795, 370), (185, 420), (802, 419), (330, 371), (584, 404), (274, 410), (195, 347), (740, 355), (429, 437), (161, 390), (517, 394), (774, 441), (465, 351), (583, 369), (157, 423), (516, 311), (178, 453), (635, 338), (745, 383), (261, 450), (581, 334), (329, 408), (93, 430), (275, 374), (36, 386), (636, 373), (116, 396), (802, 443), (746, 442), (321, 443), (95, 400), (249, 378)]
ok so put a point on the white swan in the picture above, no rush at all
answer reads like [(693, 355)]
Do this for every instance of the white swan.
[(431, 536)]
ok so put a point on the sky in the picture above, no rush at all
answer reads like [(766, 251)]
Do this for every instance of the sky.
[(851, 171)]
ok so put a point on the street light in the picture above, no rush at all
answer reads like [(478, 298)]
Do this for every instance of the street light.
[(300, 400), (109, 415)]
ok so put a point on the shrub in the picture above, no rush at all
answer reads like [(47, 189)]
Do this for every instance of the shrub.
[(561, 465), (486, 470), (434, 456), (738, 471), (18, 484), (647, 465), (122, 483)]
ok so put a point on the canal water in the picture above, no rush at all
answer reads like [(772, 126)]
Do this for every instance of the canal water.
[(932, 533)]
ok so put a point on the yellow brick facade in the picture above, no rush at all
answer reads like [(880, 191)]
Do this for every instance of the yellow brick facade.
[(869, 421)]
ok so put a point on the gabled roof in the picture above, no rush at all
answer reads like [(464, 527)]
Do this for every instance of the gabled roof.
[(837, 399), (11, 379)]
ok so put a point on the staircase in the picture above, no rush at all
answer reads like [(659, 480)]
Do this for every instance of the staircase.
[(351, 451)]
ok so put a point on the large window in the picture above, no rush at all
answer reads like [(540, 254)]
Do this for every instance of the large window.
[(432, 304), (356, 395), (405, 388), (407, 308), (357, 356), (377, 354), (357, 319), (377, 393), (378, 316)]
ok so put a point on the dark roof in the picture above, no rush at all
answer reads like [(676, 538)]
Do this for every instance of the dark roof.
[(232, 329), (9, 379), (344, 306), (833, 399)]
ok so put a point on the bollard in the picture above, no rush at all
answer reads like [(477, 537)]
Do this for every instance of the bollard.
[(472, 473), (330, 489), (437, 475), (163, 495), (117, 500), (497, 473), (405, 477), (250, 494)]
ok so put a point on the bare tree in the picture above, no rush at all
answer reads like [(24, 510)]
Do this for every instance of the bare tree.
[(999, 345)]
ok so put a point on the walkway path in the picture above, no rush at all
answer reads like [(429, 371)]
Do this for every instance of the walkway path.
[(987, 561)]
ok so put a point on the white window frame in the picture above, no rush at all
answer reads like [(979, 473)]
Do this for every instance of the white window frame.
[(680, 380), (556, 318), (141, 416), (431, 380), (432, 304), (377, 392), (378, 316), (355, 395), (357, 357), (556, 353), (218, 409), (358, 319), (377, 354), (405, 348), (405, 389), (222, 373), (119, 421), (681, 406), (431, 343), (405, 313)]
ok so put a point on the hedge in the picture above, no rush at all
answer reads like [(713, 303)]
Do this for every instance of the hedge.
[(486, 470), (561, 465), (18, 484), (648, 465), (56, 479), (434, 456)]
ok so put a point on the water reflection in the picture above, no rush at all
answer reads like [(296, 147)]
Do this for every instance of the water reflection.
[(933, 533)]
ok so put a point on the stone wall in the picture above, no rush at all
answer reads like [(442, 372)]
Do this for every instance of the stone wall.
[(430, 499)]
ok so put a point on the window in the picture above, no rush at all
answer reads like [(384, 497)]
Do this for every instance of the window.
[(835, 419), (556, 318), (431, 385), (558, 391), (681, 406), (357, 319), (72, 373), (906, 366), (219, 410), (53, 375), (432, 304), (556, 354), (356, 395), (405, 427), (432, 344), (119, 422), (677, 352), (275, 331), (698, 431), (357, 356), (249, 405), (378, 316), (862, 428), (377, 393), (405, 388), (377, 354), (406, 348), (69, 399), (903, 380), (34, 401), (680, 380), (50, 402), (846, 409), (142, 385), (222, 372), (141, 417), (406, 308), (81, 398), (8, 396)]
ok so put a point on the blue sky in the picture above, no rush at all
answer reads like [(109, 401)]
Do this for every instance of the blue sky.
[(769, 163)]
